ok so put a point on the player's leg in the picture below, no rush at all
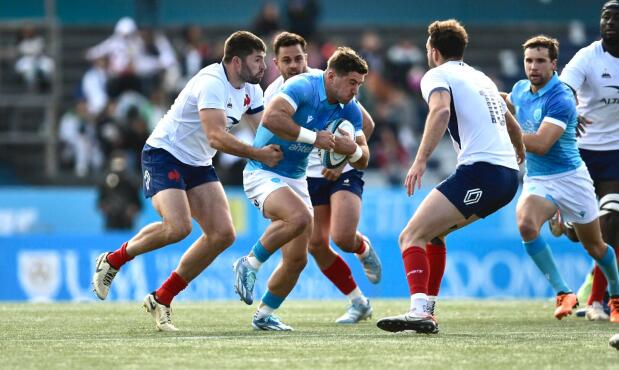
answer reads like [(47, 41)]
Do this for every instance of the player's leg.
[(345, 213)]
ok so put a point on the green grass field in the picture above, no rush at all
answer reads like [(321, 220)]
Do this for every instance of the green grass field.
[(474, 335)]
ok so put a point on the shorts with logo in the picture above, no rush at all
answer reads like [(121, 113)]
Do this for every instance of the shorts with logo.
[(603, 165), (259, 184), (321, 189), (480, 188), (572, 192), (161, 170)]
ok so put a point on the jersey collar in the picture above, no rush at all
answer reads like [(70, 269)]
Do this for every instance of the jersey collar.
[(549, 85)]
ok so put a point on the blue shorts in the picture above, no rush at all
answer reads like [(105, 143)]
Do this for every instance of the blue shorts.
[(321, 189), (161, 170), (480, 188), (602, 165)]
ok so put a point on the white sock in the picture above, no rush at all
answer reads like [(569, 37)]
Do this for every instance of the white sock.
[(264, 311), (253, 262), (419, 302), (356, 295)]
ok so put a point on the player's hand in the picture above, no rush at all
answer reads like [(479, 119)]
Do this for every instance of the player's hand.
[(270, 155), (324, 140), (413, 177), (520, 153), (581, 127), (334, 173), (344, 144)]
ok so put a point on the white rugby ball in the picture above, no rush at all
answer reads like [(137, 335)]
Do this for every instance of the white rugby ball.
[(331, 159)]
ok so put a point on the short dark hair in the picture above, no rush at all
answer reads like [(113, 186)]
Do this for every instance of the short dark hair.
[(611, 4), (346, 60), (449, 38), (541, 41), (287, 39), (241, 44)]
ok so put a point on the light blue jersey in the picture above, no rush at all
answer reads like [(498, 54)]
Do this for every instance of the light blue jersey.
[(554, 103), (307, 94)]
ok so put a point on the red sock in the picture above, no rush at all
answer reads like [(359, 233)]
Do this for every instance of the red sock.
[(119, 257), (437, 256), (340, 275), (417, 269), (362, 246), (598, 288), (170, 288)]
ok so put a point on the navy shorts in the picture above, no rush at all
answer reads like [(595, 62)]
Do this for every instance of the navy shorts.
[(321, 189), (602, 165), (161, 170), (480, 188)]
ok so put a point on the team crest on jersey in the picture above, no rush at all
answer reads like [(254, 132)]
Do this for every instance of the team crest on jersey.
[(537, 114), (246, 101)]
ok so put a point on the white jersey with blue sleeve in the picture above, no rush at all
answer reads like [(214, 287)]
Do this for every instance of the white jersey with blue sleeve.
[(307, 95), (555, 104)]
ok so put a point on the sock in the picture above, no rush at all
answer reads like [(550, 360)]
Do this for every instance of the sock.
[(540, 253), (417, 269), (608, 265), (598, 288), (260, 255), (357, 296), (119, 257), (270, 303), (170, 289), (363, 248), (437, 257), (340, 275), (419, 302)]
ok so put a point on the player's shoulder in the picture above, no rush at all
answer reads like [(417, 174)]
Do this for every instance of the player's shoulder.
[(521, 87), (212, 75), (562, 94), (274, 86)]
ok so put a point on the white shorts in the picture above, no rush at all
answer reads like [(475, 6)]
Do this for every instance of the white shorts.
[(259, 184), (572, 193)]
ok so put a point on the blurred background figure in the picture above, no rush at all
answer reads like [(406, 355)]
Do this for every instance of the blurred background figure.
[(34, 67), (267, 22), (119, 195), (302, 17)]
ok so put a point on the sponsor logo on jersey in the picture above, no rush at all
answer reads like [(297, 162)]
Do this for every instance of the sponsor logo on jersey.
[(310, 119), (300, 147), (229, 105)]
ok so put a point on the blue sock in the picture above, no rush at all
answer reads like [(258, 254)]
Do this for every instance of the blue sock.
[(260, 252), (540, 253), (608, 265), (271, 300)]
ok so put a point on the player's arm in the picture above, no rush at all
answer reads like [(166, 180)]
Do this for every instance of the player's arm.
[(546, 136), (368, 122), (254, 120), (515, 136), (508, 102), (435, 127), (278, 120), (214, 124)]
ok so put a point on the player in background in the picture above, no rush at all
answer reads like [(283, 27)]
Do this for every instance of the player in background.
[(489, 145), (336, 197), (180, 177), (593, 74), (557, 178), (306, 104)]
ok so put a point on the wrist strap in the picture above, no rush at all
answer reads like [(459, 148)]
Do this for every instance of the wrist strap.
[(356, 155), (306, 136)]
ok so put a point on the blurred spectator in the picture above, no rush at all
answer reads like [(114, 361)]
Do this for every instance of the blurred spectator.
[(122, 50), (267, 21), (509, 62), (401, 57), (33, 65), (156, 63), (78, 140), (302, 17), (390, 156), (371, 45), (119, 196), (193, 52), (94, 85)]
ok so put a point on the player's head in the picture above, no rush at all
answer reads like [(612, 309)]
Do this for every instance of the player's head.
[(609, 22), (290, 56), (540, 59), (446, 41), (345, 73), (245, 53)]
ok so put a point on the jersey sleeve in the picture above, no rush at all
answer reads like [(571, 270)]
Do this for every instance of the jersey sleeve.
[(561, 110), (256, 104), (211, 94), (296, 90), (433, 81), (575, 71)]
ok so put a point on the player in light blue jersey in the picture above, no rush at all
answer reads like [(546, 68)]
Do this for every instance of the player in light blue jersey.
[(296, 120), (557, 178)]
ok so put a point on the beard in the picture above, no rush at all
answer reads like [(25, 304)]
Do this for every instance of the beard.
[(248, 77), (611, 40)]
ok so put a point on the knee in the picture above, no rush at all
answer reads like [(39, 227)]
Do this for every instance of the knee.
[(301, 221), (222, 239), (318, 245), (296, 265), (408, 238), (596, 249), (527, 229), (345, 240), (178, 230)]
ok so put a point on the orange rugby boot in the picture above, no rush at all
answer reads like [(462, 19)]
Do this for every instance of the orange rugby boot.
[(614, 309), (565, 303)]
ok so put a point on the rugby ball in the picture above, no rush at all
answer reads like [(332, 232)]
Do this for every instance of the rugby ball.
[(329, 158)]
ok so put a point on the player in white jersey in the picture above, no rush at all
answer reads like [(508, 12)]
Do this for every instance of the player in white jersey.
[(593, 74), (307, 103), (336, 199), (489, 144), (180, 178)]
